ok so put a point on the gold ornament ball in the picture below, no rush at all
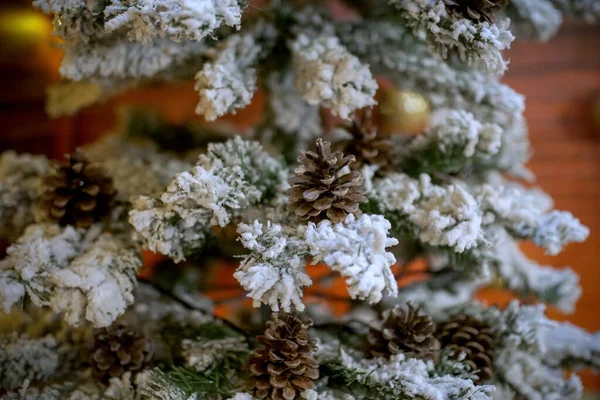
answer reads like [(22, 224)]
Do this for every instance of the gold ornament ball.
[(403, 112)]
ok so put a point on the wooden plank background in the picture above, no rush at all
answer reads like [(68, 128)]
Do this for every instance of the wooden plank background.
[(561, 80)]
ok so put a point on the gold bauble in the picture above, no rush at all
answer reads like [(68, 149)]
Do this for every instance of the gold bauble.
[(403, 112)]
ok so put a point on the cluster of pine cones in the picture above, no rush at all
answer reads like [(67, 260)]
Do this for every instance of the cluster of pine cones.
[(283, 367), (406, 330)]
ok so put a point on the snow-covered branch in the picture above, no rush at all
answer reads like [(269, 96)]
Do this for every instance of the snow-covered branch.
[(356, 249), (479, 43), (232, 176), (273, 273), (87, 276), (228, 81), (328, 74), (20, 187), (146, 20)]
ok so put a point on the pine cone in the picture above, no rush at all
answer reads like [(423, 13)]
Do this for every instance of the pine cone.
[(284, 367), (78, 192), (318, 190), (366, 145), (475, 10), (405, 330), (118, 349), (474, 338)]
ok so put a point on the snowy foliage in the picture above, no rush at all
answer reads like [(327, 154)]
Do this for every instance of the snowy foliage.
[(559, 287), (554, 230), (203, 354), (232, 176), (480, 43), (87, 276), (440, 215), (410, 378), (327, 74), (356, 249), (449, 199), (20, 186), (137, 169), (293, 120), (449, 217), (534, 18), (273, 273), (567, 345), (119, 388), (124, 60), (23, 358), (452, 141), (176, 19), (586, 9), (228, 81)]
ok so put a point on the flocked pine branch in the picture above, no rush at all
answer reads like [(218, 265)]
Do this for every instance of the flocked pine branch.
[(189, 19), (443, 201), (478, 43), (230, 177), (87, 276)]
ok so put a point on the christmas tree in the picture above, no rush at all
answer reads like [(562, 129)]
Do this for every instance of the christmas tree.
[(320, 191)]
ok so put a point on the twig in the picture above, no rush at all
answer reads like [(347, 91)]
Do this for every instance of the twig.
[(194, 307)]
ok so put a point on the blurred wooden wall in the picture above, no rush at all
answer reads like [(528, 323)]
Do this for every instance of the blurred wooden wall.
[(561, 80)]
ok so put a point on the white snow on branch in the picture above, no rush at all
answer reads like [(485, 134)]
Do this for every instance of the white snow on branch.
[(26, 359), (529, 378), (479, 43), (554, 230), (396, 192), (356, 249), (20, 186), (559, 287), (458, 129), (232, 176), (120, 59), (450, 216), (410, 378), (328, 74), (273, 273), (567, 345), (534, 18), (228, 81), (589, 10), (291, 116), (175, 19), (85, 276)]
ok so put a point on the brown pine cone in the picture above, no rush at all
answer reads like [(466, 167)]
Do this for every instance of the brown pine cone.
[(405, 330), (283, 368), (366, 145), (474, 338), (319, 191), (78, 192), (475, 10), (118, 349)]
